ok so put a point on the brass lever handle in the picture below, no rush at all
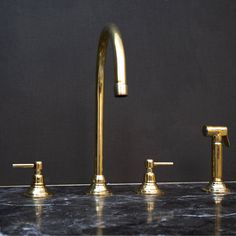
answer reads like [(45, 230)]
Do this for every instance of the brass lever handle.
[(150, 163), (149, 185), (163, 163), (38, 188), (23, 165)]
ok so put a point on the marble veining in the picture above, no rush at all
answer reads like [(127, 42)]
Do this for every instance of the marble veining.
[(184, 210)]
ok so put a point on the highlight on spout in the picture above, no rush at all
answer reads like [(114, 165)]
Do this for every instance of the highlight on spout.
[(121, 90)]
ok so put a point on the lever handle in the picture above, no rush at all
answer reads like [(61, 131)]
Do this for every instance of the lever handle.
[(38, 188), (23, 165), (38, 165), (150, 163), (163, 163), (149, 185)]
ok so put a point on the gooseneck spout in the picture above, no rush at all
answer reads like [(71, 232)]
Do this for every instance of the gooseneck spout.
[(111, 32)]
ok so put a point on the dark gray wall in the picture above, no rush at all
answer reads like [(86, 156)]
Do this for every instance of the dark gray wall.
[(181, 70)]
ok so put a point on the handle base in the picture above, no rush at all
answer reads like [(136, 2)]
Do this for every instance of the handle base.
[(37, 191), (150, 188)]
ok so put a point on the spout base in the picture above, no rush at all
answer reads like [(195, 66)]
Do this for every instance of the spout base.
[(150, 189), (98, 187), (216, 187), (38, 191)]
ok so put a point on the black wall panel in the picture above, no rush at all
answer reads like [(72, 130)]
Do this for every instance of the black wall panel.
[(181, 70)]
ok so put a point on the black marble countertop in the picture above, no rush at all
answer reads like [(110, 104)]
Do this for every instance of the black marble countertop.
[(184, 210)]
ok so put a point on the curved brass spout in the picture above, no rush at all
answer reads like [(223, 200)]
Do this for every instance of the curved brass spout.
[(98, 186)]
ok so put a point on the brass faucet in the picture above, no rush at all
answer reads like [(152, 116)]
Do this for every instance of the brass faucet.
[(219, 136), (98, 187)]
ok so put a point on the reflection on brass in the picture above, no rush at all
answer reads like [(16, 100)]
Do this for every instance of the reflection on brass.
[(219, 136), (38, 204), (99, 204), (218, 198), (154, 213), (38, 188), (98, 187), (149, 185), (150, 203)]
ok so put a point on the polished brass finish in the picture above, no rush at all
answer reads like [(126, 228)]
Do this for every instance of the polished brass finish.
[(38, 188), (149, 186), (218, 198), (98, 187), (219, 136), (158, 215), (39, 209), (99, 220), (150, 206), (23, 165)]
